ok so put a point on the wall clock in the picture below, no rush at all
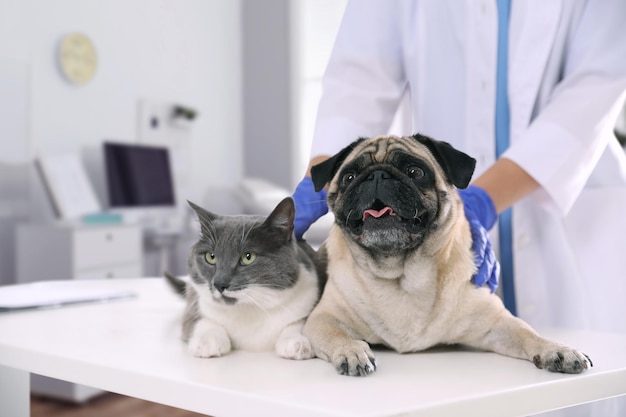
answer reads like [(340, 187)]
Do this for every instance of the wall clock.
[(77, 58)]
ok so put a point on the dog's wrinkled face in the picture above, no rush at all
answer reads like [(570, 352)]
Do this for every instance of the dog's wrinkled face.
[(389, 193), (388, 204)]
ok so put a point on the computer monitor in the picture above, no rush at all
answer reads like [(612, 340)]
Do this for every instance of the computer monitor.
[(138, 175)]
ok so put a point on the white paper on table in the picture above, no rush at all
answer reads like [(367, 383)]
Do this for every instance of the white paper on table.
[(53, 294)]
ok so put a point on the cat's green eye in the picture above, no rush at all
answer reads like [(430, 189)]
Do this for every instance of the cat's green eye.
[(210, 258), (247, 258)]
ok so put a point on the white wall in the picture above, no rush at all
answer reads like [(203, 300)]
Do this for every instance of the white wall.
[(186, 51), (287, 44), (268, 108)]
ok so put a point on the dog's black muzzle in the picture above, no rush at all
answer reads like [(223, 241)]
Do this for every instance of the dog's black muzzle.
[(383, 199)]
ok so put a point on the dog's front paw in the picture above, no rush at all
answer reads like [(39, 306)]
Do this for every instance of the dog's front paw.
[(562, 359), (209, 345), (354, 359), (294, 347)]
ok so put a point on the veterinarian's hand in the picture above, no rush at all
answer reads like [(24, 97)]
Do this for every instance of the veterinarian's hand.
[(310, 206), (481, 215)]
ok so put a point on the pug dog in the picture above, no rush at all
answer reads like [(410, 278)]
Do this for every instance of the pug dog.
[(400, 262)]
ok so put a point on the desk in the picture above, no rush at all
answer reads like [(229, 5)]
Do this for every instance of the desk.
[(132, 347), (76, 252)]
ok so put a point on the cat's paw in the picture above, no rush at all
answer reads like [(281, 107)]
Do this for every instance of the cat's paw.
[(562, 359), (294, 347), (209, 345), (354, 359)]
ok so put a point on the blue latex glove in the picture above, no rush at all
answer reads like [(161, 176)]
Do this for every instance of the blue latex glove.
[(481, 215), (310, 206)]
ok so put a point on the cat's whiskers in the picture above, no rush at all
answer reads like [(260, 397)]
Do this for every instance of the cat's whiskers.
[(264, 301), (244, 233), (254, 301), (315, 201), (207, 227)]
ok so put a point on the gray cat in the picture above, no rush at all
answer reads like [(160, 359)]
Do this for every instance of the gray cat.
[(251, 285)]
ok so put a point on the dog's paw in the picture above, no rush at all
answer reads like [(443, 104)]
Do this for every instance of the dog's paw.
[(354, 359), (562, 359), (294, 347), (209, 345)]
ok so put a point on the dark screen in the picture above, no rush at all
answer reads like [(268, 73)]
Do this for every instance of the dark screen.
[(138, 175)]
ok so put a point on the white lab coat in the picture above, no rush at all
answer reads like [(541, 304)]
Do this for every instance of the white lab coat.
[(567, 83)]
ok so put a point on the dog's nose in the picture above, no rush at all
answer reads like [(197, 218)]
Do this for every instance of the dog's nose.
[(379, 175)]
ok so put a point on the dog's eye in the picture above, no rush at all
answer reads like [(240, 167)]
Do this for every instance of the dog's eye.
[(415, 172), (347, 178)]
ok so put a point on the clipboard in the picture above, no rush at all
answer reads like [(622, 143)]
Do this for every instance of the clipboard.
[(67, 185)]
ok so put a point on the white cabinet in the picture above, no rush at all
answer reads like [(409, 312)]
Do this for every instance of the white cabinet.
[(57, 252), (53, 252)]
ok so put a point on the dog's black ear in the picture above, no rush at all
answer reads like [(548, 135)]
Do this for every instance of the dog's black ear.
[(458, 166), (323, 172)]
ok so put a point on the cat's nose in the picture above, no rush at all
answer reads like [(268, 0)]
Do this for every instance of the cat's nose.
[(220, 285)]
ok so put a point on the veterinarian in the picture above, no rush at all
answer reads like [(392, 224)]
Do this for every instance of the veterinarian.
[(531, 90)]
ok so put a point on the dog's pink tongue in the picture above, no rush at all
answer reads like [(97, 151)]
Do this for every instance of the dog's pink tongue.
[(378, 213)]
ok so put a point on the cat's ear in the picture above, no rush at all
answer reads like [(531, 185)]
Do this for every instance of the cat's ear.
[(282, 216), (205, 218)]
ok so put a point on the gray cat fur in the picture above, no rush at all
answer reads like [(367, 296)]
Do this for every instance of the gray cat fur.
[(227, 235)]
